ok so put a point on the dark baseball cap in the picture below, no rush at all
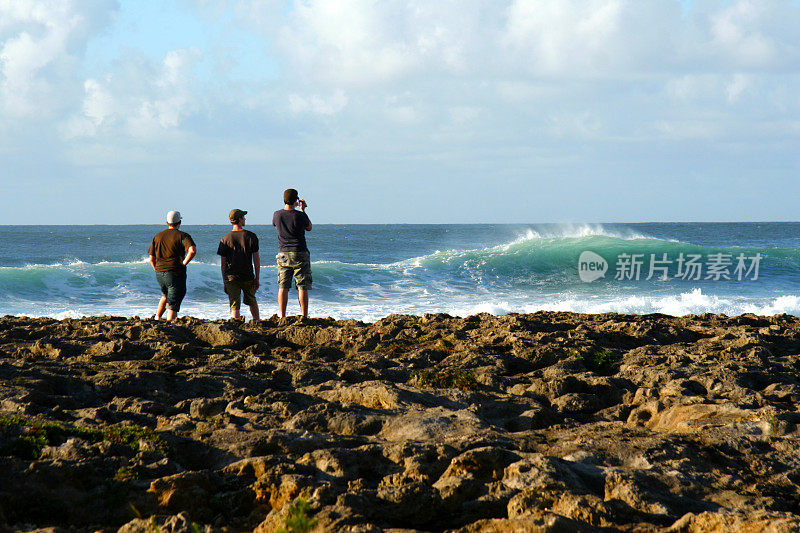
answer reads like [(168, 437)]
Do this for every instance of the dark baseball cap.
[(236, 214)]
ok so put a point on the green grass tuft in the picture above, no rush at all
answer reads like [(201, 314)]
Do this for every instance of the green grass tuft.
[(153, 526), (126, 474), (26, 437), (133, 436), (604, 362), (448, 378), (393, 348), (298, 519)]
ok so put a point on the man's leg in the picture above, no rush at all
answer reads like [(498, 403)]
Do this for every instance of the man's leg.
[(254, 311), (302, 276), (234, 292), (284, 283), (162, 304), (249, 298), (283, 300), (175, 295), (302, 297)]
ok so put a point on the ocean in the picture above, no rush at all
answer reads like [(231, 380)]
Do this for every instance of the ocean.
[(369, 271)]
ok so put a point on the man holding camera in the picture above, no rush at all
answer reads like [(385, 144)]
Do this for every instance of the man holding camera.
[(293, 256)]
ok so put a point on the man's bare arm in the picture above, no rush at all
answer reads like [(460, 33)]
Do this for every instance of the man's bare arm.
[(257, 267), (153, 262), (190, 255), (303, 206)]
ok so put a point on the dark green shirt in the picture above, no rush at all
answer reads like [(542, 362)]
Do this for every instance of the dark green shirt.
[(237, 249)]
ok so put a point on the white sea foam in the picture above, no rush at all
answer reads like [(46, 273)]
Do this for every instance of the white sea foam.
[(690, 302), (576, 231), (539, 237), (372, 305)]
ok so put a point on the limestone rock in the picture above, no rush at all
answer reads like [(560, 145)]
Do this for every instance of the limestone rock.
[(524, 422)]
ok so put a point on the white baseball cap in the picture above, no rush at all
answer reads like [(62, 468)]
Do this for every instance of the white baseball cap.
[(173, 217)]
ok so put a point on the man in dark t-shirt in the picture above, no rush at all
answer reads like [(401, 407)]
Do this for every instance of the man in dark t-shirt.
[(293, 256), (239, 252), (170, 252)]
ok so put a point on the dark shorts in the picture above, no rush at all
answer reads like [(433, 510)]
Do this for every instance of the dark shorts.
[(234, 289), (297, 264), (173, 287)]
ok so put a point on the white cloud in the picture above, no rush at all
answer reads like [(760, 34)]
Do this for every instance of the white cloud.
[(711, 90), (576, 54), (366, 42), (350, 41), (738, 86), (691, 87), (688, 129), (143, 100), (322, 105), (469, 74), (369, 42), (463, 114), (525, 88), (575, 125), (40, 47), (404, 114), (561, 35), (757, 34)]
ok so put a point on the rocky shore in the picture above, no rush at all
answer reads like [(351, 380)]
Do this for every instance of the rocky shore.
[(522, 423)]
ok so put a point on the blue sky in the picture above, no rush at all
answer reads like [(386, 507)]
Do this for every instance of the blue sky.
[(400, 111)]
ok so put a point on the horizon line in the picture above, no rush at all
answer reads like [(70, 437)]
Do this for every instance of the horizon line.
[(431, 223)]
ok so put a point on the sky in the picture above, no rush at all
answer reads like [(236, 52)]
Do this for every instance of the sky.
[(391, 111)]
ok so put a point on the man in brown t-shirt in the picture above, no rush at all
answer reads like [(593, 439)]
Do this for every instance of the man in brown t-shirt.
[(239, 252), (170, 252)]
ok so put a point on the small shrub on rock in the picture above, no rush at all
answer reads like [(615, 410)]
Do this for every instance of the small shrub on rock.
[(298, 519), (603, 362), (394, 348), (25, 438), (447, 378), (125, 474)]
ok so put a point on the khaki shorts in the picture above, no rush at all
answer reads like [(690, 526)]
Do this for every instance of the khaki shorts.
[(234, 290), (297, 264)]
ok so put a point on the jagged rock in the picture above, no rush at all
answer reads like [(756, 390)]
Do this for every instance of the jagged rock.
[(437, 424), (178, 523), (540, 422), (756, 522), (73, 449), (207, 407), (630, 487), (188, 491), (544, 523), (217, 335)]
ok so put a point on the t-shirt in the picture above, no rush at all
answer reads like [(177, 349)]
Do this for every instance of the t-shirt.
[(237, 249), (169, 248), (291, 226)]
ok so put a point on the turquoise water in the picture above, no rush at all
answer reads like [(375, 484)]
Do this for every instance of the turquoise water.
[(369, 271)]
